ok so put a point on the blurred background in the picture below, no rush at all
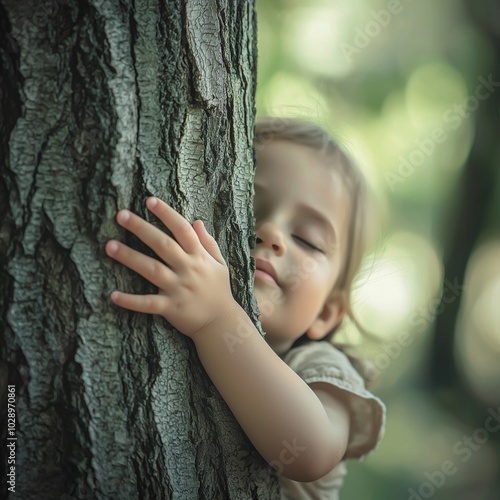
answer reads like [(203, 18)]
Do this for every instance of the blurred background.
[(412, 90)]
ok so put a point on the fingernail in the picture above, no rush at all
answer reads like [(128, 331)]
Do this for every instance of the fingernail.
[(123, 216), (112, 247), (153, 202)]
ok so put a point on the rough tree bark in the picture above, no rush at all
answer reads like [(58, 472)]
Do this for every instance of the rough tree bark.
[(104, 102)]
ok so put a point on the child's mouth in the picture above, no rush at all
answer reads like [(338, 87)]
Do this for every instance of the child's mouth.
[(265, 277)]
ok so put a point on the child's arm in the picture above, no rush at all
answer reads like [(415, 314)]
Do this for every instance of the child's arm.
[(301, 431)]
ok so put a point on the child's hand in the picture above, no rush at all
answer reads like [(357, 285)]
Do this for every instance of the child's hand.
[(191, 274)]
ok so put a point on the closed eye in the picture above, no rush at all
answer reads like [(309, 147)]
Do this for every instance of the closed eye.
[(305, 242)]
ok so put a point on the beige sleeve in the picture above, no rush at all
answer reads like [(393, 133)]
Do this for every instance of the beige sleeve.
[(322, 362)]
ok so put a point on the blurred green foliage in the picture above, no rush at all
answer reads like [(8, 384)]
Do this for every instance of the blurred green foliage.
[(401, 84)]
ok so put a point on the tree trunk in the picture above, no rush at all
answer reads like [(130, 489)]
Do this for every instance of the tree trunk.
[(102, 104), (470, 215)]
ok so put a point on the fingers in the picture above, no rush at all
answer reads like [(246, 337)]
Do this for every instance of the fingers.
[(182, 230), (153, 270), (148, 304), (208, 241), (161, 243)]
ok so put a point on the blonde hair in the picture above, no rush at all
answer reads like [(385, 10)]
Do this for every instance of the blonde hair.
[(268, 129)]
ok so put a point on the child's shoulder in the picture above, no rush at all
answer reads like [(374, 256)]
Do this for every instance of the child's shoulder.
[(323, 359), (323, 362)]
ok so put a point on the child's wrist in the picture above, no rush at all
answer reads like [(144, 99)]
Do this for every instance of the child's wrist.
[(228, 324)]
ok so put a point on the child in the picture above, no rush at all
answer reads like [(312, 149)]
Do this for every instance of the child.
[(297, 397)]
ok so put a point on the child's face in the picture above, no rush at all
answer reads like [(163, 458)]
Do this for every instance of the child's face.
[(290, 181)]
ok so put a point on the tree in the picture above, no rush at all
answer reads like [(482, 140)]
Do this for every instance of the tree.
[(104, 103), (471, 218)]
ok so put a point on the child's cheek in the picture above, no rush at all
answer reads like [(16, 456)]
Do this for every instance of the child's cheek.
[(295, 282), (268, 305), (302, 273), (277, 297), (292, 278), (309, 266)]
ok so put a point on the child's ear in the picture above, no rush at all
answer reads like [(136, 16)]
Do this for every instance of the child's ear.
[(330, 316)]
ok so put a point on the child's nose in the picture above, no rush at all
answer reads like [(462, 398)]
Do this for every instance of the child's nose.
[(269, 235)]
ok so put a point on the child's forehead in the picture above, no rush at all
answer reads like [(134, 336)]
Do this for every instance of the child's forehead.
[(280, 153), (284, 163), (294, 184)]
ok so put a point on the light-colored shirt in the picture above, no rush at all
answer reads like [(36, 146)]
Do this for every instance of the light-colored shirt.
[(323, 362)]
